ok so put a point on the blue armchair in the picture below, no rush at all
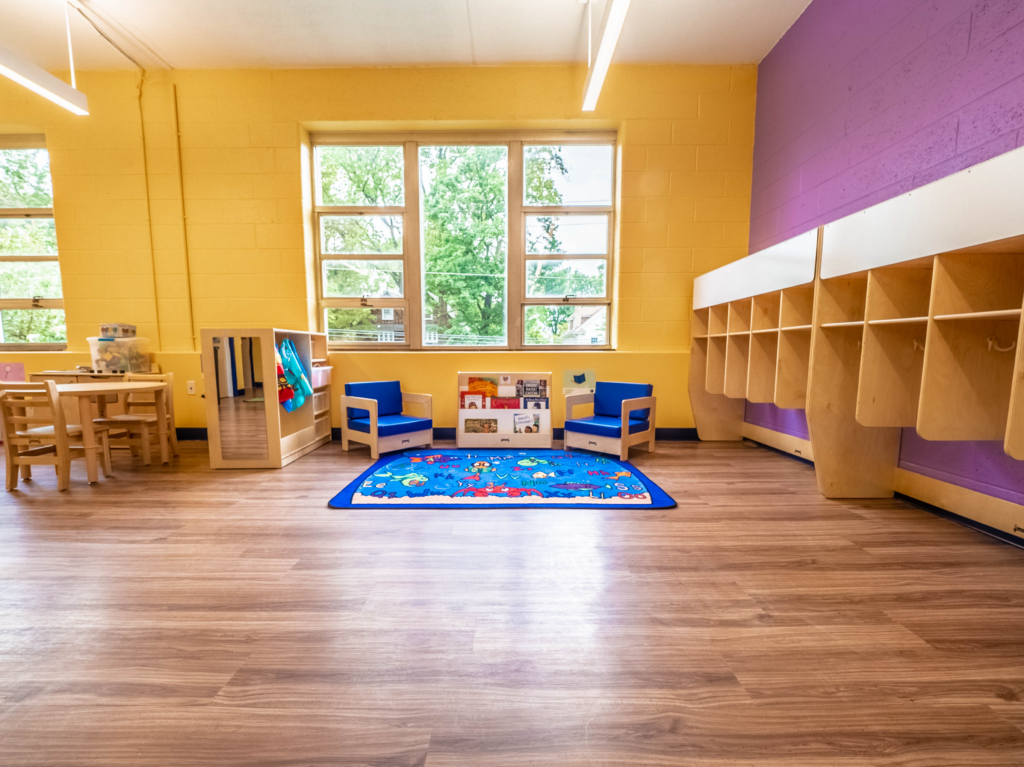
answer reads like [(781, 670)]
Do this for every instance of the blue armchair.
[(372, 415), (624, 415)]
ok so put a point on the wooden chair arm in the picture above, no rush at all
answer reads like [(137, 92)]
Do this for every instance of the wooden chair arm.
[(573, 400), (640, 403), (427, 400), (361, 403)]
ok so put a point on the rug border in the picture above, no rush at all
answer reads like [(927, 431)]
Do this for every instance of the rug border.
[(659, 498)]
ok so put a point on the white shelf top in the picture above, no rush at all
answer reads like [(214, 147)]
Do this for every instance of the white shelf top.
[(781, 266)]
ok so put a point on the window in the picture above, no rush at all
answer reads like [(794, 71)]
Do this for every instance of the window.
[(456, 241), (31, 299)]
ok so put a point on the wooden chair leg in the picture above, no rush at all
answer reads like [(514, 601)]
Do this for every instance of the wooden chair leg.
[(623, 451), (64, 475), (172, 435), (26, 471), (650, 443), (105, 447), (12, 469), (146, 456)]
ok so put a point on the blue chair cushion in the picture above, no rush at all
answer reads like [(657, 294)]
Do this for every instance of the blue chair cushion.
[(605, 426), (387, 393), (390, 425), (608, 396)]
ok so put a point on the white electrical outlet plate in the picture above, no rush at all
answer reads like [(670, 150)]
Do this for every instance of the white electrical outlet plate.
[(191, 387)]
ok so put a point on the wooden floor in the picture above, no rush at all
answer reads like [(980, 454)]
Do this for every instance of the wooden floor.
[(178, 616)]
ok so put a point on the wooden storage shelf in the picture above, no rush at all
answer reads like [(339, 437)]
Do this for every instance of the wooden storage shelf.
[(994, 315), (766, 312), (769, 331), (762, 363), (262, 435), (700, 323), (715, 379), (901, 321), (794, 356), (719, 335), (889, 388), (796, 328), (841, 301), (739, 316), (854, 324), (977, 284), (736, 354), (797, 306), (718, 320), (967, 378)]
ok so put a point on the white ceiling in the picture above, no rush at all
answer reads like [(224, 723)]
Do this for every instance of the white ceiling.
[(200, 34)]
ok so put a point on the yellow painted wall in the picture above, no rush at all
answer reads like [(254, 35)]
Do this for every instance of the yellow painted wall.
[(206, 227)]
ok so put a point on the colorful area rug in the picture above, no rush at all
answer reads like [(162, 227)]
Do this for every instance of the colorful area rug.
[(501, 479)]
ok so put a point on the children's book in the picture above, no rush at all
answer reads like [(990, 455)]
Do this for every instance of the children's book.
[(485, 386), (535, 403), (504, 403), (481, 426), (470, 401), (526, 423)]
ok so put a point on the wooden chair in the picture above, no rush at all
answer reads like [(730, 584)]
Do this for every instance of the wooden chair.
[(624, 415), (374, 416), (138, 427), (36, 432)]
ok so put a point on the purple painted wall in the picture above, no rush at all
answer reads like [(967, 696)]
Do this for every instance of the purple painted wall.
[(768, 416), (864, 100)]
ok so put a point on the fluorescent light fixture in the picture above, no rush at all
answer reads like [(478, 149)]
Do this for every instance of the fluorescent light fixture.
[(37, 79), (611, 27)]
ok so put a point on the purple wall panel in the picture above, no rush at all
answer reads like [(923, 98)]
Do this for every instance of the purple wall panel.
[(768, 416), (979, 466), (864, 100)]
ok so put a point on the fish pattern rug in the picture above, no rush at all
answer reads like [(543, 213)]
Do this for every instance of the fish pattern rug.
[(503, 479)]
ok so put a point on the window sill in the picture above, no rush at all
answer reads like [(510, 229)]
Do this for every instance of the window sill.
[(33, 347)]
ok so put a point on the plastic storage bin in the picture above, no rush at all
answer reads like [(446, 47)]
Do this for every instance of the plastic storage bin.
[(119, 355), (320, 376)]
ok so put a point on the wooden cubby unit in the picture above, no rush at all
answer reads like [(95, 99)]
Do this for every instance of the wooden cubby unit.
[(715, 380), (718, 322), (797, 307), (739, 316), (737, 351), (892, 356), (766, 312), (794, 356), (762, 362), (700, 323)]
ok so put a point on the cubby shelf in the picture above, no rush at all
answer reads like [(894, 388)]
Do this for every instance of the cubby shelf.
[(795, 328), (900, 321), (833, 325), (994, 315)]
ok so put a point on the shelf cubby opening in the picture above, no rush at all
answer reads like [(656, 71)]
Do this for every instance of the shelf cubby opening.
[(766, 311), (967, 379), (797, 306), (889, 387), (976, 283), (700, 323), (898, 293), (739, 316), (737, 350), (718, 320), (762, 361), (794, 355), (841, 300), (715, 379)]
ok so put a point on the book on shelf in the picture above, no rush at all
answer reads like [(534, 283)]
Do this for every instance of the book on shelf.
[(532, 388), (504, 403), (488, 387), (526, 423), (481, 426), (535, 403), (470, 401)]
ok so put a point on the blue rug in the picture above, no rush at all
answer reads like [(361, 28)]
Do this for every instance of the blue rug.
[(501, 479)]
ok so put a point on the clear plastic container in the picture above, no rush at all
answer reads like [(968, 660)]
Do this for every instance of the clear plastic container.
[(119, 355)]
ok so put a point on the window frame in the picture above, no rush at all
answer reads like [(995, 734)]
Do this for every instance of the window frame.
[(515, 283), (30, 142)]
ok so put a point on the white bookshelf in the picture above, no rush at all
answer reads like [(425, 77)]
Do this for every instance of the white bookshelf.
[(505, 434)]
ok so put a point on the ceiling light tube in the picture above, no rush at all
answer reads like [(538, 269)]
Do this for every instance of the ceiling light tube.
[(611, 27), (37, 79)]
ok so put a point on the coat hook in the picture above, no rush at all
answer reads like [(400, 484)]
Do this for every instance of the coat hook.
[(918, 344), (993, 344)]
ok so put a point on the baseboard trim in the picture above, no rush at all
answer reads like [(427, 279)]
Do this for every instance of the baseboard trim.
[(190, 434), (784, 443), (990, 515)]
